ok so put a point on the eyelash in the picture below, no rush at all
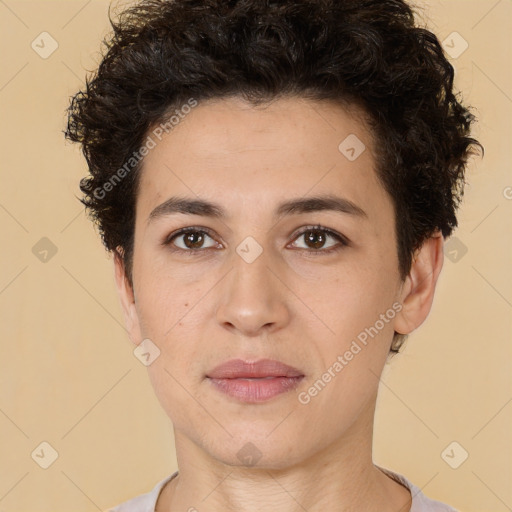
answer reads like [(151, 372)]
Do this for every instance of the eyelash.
[(343, 241)]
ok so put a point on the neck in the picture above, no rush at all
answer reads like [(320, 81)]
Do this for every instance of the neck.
[(339, 478)]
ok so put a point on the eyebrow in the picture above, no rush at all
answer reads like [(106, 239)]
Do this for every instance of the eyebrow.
[(205, 208)]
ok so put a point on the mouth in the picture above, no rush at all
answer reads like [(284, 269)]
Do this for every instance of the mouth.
[(254, 382)]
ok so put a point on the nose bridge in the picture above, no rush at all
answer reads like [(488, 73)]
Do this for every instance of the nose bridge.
[(250, 296), (251, 267)]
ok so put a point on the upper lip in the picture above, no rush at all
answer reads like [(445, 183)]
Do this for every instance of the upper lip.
[(238, 369)]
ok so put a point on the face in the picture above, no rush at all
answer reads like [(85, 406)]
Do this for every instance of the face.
[(289, 254)]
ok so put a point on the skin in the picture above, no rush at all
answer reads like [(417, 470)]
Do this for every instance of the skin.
[(292, 304)]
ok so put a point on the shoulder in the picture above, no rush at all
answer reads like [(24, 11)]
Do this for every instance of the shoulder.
[(420, 502), (143, 502)]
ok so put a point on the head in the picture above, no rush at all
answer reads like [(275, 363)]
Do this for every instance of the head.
[(249, 121)]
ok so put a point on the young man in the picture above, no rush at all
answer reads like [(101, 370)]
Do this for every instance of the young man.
[(275, 181)]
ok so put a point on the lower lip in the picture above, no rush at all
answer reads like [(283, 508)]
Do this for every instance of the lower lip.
[(256, 390)]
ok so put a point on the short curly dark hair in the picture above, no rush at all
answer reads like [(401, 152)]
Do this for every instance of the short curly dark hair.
[(368, 53)]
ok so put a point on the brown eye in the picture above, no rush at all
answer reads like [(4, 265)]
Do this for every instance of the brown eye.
[(315, 238), (320, 240), (191, 240)]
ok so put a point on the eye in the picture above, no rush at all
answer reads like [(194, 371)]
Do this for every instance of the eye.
[(190, 239), (320, 240)]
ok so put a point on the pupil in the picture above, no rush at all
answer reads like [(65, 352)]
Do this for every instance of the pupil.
[(316, 238), (193, 240)]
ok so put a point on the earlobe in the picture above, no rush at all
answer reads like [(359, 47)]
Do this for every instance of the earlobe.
[(419, 286), (127, 300)]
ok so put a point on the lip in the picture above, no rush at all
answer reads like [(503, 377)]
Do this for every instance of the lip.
[(254, 382), (238, 368)]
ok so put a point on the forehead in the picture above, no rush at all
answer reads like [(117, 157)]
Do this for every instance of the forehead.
[(246, 157)]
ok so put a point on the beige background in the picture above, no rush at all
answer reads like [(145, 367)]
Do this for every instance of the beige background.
[(68, 374)]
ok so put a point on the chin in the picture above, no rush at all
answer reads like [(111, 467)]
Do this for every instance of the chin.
[(258, 451)]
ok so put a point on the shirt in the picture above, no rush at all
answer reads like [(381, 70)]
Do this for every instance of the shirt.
[(420, 503)]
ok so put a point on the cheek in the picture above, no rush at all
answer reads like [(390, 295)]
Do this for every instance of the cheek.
[(170, 308), (353, 357), (350, 297), (360, 311), (167, 296), (165, 319)]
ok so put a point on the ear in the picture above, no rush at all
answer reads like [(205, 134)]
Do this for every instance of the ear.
[(127, 298), (418, 289)]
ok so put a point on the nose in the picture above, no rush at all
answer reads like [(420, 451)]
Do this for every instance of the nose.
[(253, 298)]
